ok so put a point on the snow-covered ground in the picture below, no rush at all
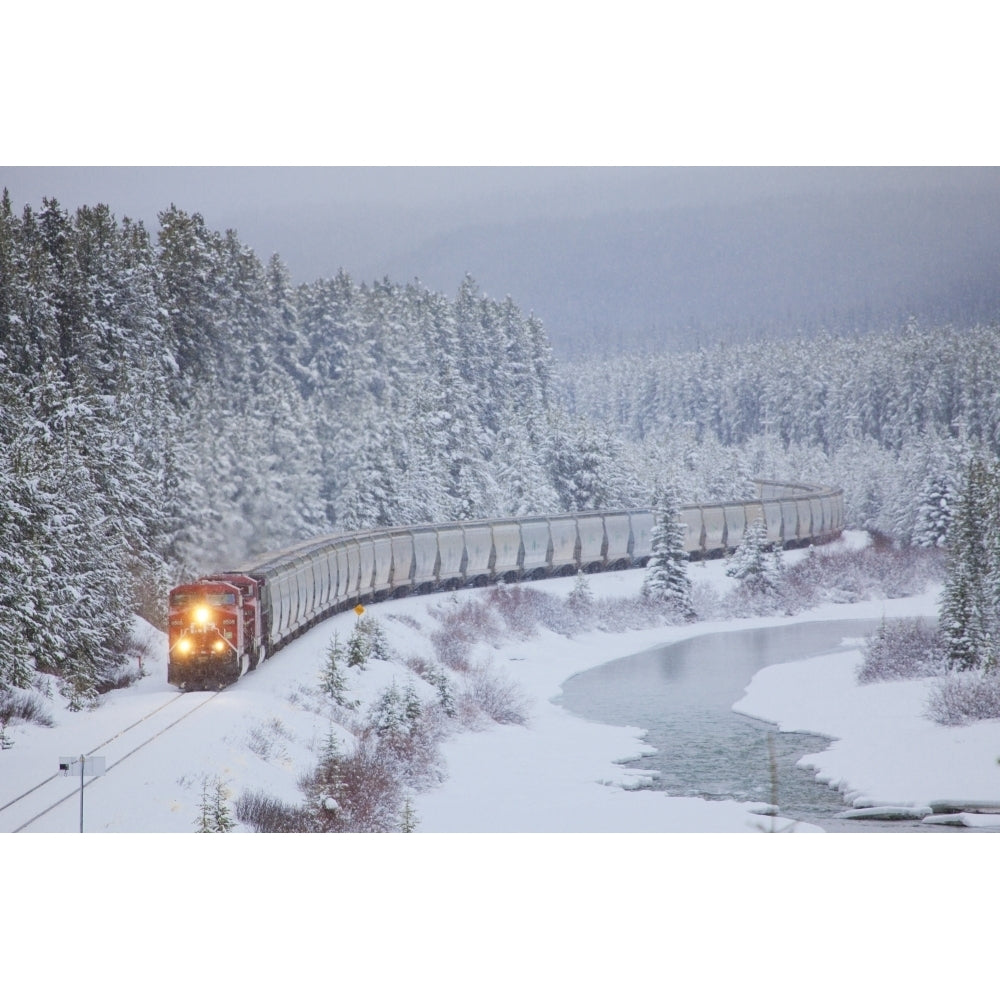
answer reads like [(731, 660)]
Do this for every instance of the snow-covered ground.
[(556, 774)]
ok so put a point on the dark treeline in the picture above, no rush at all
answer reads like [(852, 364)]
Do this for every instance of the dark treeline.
[(170, 405)]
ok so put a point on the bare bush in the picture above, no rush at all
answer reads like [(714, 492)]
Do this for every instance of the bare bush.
[(523, 609), (498, 698), (408, 620), (960, 698), (119, 676), (26, 705), (706, 601), (265, 814), (748, 600), (266, 740), (462, 624), (903, 649), (860, 575), (618, 614), (357, 792)]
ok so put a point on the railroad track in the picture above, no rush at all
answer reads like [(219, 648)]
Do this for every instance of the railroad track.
[(21, 812)]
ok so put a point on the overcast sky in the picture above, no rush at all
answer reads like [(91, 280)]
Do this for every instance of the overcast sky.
[(365, 219)]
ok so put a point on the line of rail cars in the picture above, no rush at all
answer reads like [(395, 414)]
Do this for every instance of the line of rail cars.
[(224, 625)]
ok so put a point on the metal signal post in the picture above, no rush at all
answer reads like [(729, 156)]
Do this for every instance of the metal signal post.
[(82, 766)]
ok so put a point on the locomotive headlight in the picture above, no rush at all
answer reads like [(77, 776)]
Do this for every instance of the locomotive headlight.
[(184, 645), (218, 645), (201, 614)]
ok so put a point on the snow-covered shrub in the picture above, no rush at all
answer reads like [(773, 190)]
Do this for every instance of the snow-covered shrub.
[(119, 676), (707, 603), (623, 614), (26, 705), (523, 609), (367, 786), (408, 732), (498, 698), (756, 563), (214, 815), (874, 573), (902, 649), (962, 697), (749, 599), (462, 624), (267, 741), (265, 814), (580, 603)]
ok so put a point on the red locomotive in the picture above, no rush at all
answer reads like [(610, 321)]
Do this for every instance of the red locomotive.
[(215, 631)]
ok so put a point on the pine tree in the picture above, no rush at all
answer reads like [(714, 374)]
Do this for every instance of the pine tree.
[(666, 580), (409, 818), (755, 562), (222, 821), (325, 787), (204, 820), (970, 603), (388, 716), (333, 683), (358, 647), (213, 812), (581, 599)]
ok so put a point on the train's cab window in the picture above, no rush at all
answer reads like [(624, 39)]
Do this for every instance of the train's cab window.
[(184, 598)]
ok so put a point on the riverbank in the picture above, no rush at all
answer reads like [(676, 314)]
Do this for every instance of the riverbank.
[(558, 772)]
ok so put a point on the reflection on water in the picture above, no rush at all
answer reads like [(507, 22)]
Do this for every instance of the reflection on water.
[(682, 695)]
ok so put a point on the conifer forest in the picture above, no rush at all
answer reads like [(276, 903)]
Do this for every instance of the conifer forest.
[(169, 404)]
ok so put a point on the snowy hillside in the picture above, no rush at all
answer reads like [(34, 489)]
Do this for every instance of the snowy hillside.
[(165, 752)]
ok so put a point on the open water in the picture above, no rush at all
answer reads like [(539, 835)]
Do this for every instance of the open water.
[(682, 695)]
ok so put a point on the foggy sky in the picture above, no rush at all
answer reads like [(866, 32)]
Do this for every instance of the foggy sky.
[(590, 249), (321, 219)]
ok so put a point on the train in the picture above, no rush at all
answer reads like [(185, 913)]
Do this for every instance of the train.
[(224, 625)]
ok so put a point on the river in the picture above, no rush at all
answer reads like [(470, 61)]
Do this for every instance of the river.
[(682, 695)]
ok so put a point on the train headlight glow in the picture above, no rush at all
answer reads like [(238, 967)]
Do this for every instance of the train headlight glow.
[(218, 645), (201, 614), (184, 645)]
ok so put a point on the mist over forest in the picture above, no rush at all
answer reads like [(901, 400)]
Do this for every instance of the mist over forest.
[(610, 259)]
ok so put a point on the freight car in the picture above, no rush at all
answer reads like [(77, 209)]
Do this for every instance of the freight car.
[(224, 625)]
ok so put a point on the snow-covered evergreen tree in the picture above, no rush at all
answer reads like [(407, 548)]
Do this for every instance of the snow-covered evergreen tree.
[(754, 563), (214, 815), (970, 603), (581, 599), (666, 579), (333, 682)]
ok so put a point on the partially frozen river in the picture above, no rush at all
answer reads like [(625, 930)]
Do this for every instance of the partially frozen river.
[(682, 695)]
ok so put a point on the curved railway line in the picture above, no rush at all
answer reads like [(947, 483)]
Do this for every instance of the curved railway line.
[(299, 587), (20, 812), (226, 624)]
